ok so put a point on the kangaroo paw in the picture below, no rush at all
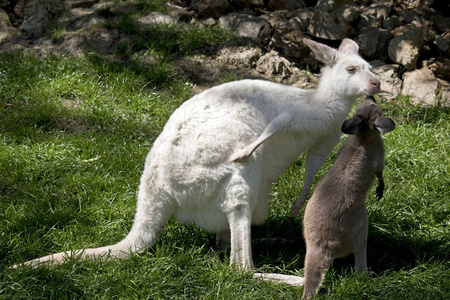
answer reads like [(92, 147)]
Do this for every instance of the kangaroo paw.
[(241, 156)]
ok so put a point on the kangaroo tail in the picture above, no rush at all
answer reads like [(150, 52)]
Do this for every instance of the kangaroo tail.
[(123, 249), (143, 235), (149, 222)]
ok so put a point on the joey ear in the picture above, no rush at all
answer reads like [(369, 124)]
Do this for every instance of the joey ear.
[(322, 52), (348, 46), (384, 125), (349, 126)]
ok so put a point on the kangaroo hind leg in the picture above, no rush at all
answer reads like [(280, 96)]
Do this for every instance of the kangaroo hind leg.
[(239, 220)]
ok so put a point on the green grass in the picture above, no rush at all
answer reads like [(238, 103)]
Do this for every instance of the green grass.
[(74, 134)]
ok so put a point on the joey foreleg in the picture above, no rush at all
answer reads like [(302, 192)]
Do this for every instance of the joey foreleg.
[(380, 187)]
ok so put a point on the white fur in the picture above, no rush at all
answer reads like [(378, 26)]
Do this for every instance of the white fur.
[(215, 161)]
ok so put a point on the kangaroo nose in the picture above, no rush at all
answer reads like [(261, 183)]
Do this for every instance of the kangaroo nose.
[(375, 84)]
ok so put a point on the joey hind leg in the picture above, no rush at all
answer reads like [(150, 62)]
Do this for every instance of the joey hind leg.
[(317, 262), (361, 251), (361, 259)]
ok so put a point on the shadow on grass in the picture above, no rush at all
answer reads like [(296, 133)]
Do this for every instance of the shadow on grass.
[(280, 241), (393, 252)]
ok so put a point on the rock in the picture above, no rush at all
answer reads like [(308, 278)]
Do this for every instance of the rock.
[(247, 26), (37, 24), (349, 13), (421, 86), (367, 21), (330, 5), (299, 23), (69, 4), (113, 8), (275, 18), (300, 18), (444, 92), (405, 48), (285, 4), (414, 3), (380, 10), (88, 19), (391, 84), (440, 67), (29, 8), (303, 79), (410, 16), (209, 22), (180, 13), (391, 23), (211, 8), (373, 43), (328, 26), (240, 52), (6, 29), (442, 44), (289, 42), (38, 15), (441, 23), (272, 64), (156, 18), (375, 14)]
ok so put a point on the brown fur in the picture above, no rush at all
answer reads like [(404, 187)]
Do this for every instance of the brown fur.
[(335, 223)]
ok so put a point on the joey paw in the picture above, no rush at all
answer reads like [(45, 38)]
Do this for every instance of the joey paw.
[(296, 208), (294, 211)]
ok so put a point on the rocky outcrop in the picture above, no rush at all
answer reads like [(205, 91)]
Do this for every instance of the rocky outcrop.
[(407, 41), (6, 28), (247, 26)]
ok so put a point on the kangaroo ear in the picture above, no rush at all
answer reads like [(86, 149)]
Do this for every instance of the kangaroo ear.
[(322, 52), (349, 126), (348, 46), (384, 125)]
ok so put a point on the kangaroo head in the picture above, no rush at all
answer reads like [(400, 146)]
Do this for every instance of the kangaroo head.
[(368, 118), (347, 73)]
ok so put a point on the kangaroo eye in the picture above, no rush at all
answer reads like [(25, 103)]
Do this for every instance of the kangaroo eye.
[(351, 70)]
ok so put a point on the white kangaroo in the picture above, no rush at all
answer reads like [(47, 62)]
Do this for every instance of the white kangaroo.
[(206, 167)]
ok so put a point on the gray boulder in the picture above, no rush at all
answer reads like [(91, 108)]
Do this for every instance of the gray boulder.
[(271, 64), (247, 26), (373, 43), (6, 29), (288, 39), (421, 86), (405, 48), (211, 8), (156, 18), (285, 4), (328, 26), (391, 83)]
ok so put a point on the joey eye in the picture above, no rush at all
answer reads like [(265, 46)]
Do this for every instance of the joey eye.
[(351, 70)]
